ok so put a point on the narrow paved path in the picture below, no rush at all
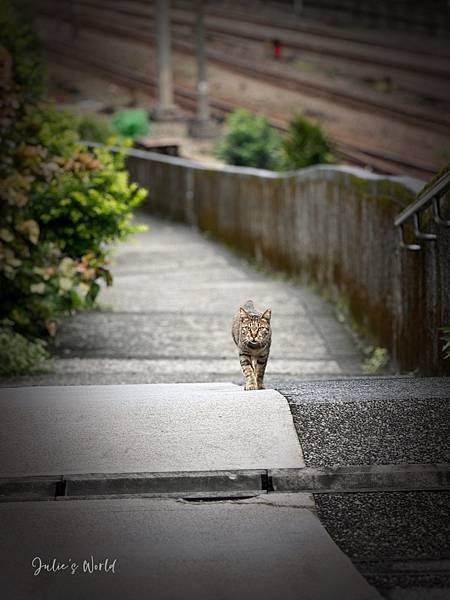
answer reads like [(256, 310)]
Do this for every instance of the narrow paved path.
[(168, 316), (167, 319)]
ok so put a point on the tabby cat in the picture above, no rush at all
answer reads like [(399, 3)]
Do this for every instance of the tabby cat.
[(252, 335)]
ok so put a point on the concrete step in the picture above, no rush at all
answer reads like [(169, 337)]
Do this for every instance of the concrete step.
[(151, 428), (92, 441)]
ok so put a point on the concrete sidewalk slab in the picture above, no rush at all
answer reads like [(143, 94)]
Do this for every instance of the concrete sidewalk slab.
[(223, 297), (135, 428), (172, 336), (169, 550)]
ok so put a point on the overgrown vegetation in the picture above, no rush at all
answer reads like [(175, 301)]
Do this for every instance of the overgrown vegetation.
[(19, 354), (305, 144), (251, 141), (93, 127), (61, 206), (434, 179), (20, 64), (125, 124), (131, 123), (376, 360)]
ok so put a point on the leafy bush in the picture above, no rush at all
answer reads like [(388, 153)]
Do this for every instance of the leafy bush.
[(18, 354), (61, 206), (131, 123), (305, 145), (93, 127), (19, 53), (250, 141), (376, 361)]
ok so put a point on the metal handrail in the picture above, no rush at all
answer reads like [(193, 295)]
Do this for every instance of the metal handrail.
[(430, 197)]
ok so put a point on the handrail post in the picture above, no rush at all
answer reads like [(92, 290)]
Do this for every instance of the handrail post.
[(429, 237), (437, 213), (404, 244)]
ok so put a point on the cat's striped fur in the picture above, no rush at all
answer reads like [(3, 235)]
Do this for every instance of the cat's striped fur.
[(252, 335)]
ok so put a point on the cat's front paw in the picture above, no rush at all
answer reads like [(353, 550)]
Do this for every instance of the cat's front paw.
[(251, 386), (261, 386)]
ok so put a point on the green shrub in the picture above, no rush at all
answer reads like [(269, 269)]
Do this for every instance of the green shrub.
[(19, 52), (61, 207), (18, 354), (250, 141), (131, 123), (377, 359), (305, 145), (93, 127)]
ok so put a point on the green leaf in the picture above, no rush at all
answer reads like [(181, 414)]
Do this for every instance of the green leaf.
[(92, 294)]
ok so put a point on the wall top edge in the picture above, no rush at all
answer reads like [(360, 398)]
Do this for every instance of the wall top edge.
[(306, 174)]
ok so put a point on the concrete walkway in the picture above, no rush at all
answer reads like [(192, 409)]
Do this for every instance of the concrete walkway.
[(96, 452), (109, 456), (166, 549), (247, 545), (168, 316)]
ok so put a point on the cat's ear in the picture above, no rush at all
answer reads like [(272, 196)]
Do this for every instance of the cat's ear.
[(243, 313), (267, 314)]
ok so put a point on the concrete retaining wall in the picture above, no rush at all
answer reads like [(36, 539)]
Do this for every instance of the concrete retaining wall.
[(333, 226)]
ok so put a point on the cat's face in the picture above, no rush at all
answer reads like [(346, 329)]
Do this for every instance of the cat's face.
[(255, 329)]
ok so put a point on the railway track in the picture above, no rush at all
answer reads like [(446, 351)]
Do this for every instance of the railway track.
[(271, 74), (89, 15), (351, 46), (348, 149), (305, 43), (186, 98)]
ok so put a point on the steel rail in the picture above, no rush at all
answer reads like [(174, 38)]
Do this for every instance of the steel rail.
[(429, 197)]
